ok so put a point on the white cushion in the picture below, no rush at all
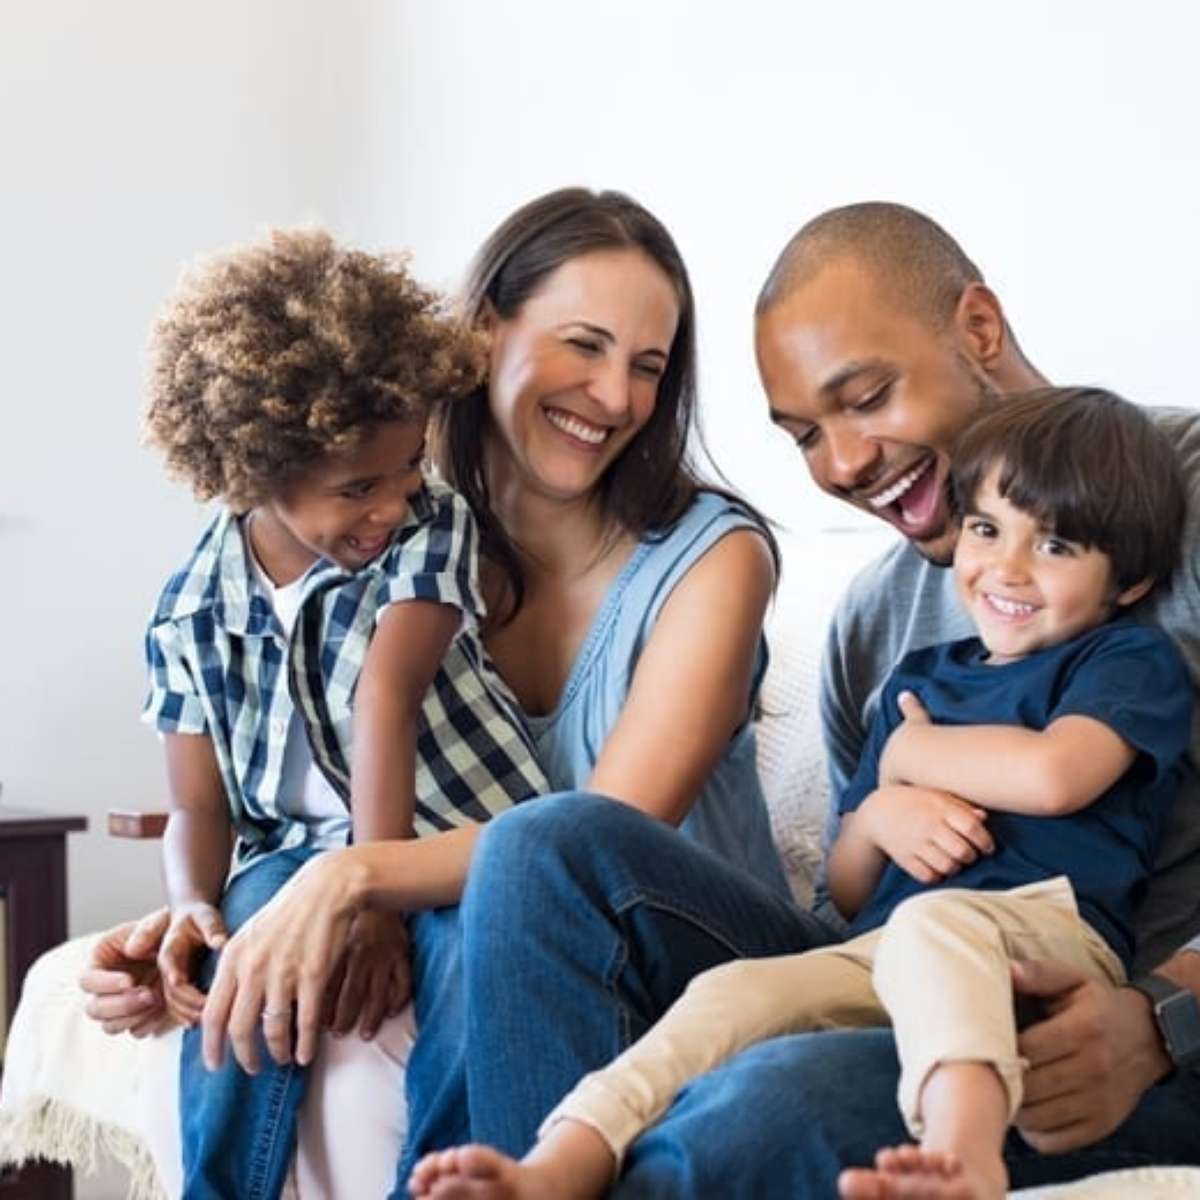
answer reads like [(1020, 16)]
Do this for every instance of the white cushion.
[(1137, 1183)]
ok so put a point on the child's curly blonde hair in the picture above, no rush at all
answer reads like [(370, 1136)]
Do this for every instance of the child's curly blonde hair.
[(277, 354)]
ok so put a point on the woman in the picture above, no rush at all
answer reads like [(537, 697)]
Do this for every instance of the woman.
[(641, 595)]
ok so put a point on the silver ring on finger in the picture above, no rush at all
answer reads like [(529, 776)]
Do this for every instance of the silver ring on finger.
[(276, 1014)]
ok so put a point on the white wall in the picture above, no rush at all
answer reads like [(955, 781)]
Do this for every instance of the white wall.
[(135, 134), (1057, 141)]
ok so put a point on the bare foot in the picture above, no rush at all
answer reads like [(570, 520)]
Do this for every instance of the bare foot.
[(481, 1173), (914, 1173)]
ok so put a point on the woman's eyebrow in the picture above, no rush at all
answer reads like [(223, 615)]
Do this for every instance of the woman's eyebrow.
[(609, 339), (598, 330)]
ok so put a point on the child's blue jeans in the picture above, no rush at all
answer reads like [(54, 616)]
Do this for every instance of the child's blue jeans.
[(239, 1130)]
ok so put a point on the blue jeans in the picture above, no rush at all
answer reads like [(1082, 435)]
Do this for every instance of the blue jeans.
[(434, 1078), (239, 1130), (792, 1112), (583, 920)]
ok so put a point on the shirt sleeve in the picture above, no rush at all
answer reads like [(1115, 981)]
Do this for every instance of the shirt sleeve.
[(866, 778), (1134, 681), (841, 719), (173, 704), (435, 557), (845, 741)]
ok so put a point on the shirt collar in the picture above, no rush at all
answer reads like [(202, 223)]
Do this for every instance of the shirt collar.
[(243, 607)]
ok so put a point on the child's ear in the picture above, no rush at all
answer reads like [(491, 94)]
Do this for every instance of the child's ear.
[(1131, 595)]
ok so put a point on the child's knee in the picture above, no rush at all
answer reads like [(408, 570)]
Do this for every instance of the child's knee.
[(930, 911)]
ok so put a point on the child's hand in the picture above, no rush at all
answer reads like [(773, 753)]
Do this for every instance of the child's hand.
[(122, 980), (374, 978), (931, 835), (194, 927), (913, 713)]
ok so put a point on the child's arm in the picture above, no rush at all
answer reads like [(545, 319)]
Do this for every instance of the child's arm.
[(929, 834), (196, 847), (410, 641), (1056, 771)]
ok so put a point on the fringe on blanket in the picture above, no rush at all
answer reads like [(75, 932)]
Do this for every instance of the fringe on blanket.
[(40, 1127)]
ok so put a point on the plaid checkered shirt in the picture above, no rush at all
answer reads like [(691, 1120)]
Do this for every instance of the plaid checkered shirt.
[(220, 664)]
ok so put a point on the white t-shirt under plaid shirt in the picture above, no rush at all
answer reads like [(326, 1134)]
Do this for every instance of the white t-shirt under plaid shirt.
[(220, 664)]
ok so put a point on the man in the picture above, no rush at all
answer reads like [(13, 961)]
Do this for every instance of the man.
[(878, 341)]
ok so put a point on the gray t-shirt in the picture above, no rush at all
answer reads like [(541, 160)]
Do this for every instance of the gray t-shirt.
[(901, 603)]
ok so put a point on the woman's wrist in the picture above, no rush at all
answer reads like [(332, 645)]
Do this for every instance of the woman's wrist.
[(362, 876)]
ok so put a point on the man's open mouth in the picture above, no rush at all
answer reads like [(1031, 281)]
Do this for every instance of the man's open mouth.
[(913, 498)]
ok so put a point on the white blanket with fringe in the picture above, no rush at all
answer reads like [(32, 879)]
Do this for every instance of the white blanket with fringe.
[(72, 1094)]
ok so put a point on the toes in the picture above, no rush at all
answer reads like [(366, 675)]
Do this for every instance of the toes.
[(862, 1184), (481, 1162)]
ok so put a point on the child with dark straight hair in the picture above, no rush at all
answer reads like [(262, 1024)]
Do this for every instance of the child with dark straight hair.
[(1008, 806)]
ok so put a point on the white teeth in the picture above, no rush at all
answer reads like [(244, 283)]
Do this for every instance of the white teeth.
[(591, 434), (1010, 608), (892, 494)]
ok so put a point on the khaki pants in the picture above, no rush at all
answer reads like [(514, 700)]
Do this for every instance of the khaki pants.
[(938, 970)]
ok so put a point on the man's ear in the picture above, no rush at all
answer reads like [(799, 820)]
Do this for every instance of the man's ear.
[(980, 323), (1131, 595)]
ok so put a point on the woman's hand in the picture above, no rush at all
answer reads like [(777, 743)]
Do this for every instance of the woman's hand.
[(931, 835), (373, 980), (274, 970), (194, 927), (122, 981)]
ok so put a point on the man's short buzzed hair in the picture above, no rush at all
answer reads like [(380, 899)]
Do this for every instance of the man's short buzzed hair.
[(914, 257)]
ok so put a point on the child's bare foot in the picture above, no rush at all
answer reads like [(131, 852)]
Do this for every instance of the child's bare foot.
[(478, 1173), (914, 1173), (572, 1162)]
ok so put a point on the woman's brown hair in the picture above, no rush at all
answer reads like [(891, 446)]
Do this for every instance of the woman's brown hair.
[(655, 480)]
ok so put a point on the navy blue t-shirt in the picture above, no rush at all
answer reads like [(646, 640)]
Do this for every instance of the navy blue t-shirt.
[(1126, 675)]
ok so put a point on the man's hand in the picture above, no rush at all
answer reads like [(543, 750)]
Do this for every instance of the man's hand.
[(913, 713), (373, 979), (122, 981), (193, 927), (929, 834), (1090, 1060)]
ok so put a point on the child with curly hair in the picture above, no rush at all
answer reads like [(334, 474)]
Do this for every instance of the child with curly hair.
[(315, 666)]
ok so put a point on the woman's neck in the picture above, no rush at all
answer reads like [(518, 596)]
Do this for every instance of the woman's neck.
[(558, 538)]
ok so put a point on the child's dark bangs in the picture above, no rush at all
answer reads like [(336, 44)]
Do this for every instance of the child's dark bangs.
[(1049, 483)]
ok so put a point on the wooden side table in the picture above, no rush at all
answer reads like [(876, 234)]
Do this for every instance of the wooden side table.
[(33, 888)]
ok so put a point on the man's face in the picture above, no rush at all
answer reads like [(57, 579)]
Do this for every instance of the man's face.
[(874, 398)]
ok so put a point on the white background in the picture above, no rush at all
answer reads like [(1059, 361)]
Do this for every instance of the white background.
[(1057, 141)]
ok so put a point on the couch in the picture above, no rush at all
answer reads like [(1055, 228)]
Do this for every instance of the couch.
[(73, 1095)]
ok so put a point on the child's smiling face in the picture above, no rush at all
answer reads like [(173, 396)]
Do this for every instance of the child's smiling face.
[(345, 508), (1024, 587)]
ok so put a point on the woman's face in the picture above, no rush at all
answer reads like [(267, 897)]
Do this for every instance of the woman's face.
[(575, 371)]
